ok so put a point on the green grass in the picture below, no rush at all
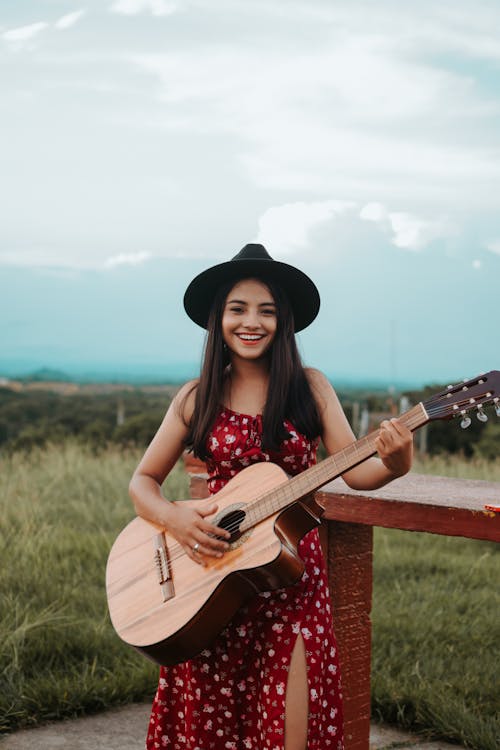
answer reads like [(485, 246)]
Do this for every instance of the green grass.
[(436, 634), (61, 509), (435, 614), (436, 626)]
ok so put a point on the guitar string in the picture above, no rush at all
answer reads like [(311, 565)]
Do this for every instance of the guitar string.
[(464, 405), (177, 551)]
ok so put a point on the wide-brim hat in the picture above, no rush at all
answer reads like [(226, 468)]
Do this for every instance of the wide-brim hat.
[(253, 261)]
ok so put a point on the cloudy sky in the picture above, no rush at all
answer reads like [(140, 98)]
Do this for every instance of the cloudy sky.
[(142, 140)]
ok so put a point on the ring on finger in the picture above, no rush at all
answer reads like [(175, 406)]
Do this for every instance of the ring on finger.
[(196, 547)]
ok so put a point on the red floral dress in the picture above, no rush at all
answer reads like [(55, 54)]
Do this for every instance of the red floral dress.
[(232, 696)]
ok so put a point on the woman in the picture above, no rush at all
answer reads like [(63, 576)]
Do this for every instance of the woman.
[(271, 678)]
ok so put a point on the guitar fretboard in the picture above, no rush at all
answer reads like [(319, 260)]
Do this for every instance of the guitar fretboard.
[(312, 479)]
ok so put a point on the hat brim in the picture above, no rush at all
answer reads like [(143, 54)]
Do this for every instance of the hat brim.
[(300, 290)]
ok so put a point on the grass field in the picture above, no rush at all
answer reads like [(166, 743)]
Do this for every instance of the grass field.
[(435, 614)]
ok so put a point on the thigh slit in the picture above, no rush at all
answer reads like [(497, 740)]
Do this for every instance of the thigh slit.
[(297, 698)]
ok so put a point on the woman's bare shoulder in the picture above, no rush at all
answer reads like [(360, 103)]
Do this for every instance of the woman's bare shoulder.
[(318, 381), (322, 390), (184, 400)]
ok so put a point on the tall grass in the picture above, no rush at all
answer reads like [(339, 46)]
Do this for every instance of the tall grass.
[(61, 509), (447, 465), (435, 623), (436, 626), (436, 632)]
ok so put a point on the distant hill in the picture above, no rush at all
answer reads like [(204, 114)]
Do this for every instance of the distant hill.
[(47, 374), (96, 372)]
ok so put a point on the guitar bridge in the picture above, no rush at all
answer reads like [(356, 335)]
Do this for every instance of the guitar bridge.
[(163, 569)]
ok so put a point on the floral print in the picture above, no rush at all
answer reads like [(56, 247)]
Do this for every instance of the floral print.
[(236, 442), (232, 695)]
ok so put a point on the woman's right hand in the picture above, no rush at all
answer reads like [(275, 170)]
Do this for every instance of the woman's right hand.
[(187, 522)]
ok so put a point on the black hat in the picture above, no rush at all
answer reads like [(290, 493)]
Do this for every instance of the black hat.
[(253, 261)]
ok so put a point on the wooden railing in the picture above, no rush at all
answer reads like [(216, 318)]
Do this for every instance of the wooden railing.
[(453, 507)]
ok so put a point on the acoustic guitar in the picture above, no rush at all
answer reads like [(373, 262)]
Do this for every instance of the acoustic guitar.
[(170, 608)]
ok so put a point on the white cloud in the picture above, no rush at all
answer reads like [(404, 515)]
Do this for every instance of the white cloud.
[(494, 246), (69, 19), (308, 100), (374, 212), (23, 36), (409, 232), (129, 259), (134, 7), (463, 27), (351, 116), (476, 265), (62, 261), (464, 30), (24, 33), (286, 229)]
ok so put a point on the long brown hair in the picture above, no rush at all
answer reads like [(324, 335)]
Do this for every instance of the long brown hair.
[(289, 394)]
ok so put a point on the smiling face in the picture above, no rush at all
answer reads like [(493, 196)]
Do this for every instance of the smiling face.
[(249, 319)]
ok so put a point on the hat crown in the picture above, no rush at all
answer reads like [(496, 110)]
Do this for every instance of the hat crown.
[(252, 251)]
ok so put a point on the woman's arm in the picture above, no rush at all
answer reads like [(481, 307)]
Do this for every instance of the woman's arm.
[(394, 443), (186, 521)]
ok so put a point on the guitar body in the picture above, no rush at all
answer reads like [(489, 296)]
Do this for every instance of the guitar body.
[(168, 606)]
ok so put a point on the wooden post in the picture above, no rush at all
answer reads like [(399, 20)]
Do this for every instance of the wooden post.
[(350, 549), (197, 472), (120, 412), (355, 419)]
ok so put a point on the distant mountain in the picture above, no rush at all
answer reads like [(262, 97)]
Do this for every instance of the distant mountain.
[(45, 374), (98, 372)]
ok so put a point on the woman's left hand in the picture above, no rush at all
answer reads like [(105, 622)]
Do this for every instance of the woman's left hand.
[(395, 446)]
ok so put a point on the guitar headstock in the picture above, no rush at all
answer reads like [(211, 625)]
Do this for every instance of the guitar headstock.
[(459, 399)]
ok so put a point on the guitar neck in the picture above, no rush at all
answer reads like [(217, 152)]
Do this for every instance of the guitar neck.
[(312, 479)]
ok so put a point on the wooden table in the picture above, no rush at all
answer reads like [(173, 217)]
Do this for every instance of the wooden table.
[(453, 507)]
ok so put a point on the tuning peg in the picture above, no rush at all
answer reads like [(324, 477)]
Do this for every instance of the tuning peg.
[(481, 415), (496, 404), (465, 421)]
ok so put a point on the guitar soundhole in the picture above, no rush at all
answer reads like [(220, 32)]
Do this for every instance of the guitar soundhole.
[(231, 521)]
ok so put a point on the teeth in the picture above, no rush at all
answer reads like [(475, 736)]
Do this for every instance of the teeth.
[(249, 336)]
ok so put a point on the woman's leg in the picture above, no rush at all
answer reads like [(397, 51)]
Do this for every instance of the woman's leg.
[(297, 699)]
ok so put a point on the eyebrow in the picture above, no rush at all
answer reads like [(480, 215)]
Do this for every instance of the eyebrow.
[(245, 302)]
